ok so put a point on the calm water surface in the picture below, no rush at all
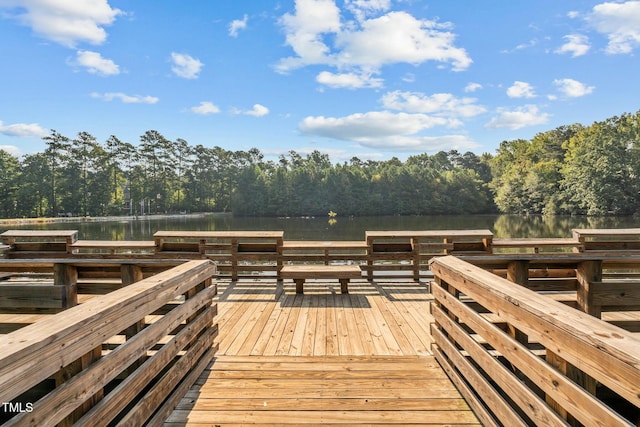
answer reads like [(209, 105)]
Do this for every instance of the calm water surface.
[(344, 228)]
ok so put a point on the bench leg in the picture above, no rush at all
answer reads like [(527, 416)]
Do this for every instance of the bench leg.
[(344, 286), (299, 285)]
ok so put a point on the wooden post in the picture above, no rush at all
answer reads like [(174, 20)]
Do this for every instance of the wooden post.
[(415, 246), (66, 276), (563, 366), (587, 273), (130, 274), (518, 272), (234, 259)]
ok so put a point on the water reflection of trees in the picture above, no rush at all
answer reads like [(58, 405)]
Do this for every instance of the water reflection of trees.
[(554, 226)]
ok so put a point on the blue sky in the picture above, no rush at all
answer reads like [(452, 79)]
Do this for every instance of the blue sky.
[(366, 78)]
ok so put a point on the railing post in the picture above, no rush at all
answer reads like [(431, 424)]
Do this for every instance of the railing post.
[(66, 276), (587, 273)]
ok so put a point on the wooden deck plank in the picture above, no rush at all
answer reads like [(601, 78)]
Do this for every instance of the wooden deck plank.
[(323, 358), (282, 342), (325, 390)]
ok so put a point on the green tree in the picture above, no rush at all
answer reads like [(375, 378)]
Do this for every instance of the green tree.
[(57, 145), (9, 178)]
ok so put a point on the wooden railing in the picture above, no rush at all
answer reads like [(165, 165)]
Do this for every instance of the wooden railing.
[(522, 358), (383, 254), (33, 290), (125, 358)]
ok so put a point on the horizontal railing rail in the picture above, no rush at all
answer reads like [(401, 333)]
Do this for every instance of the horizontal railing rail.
[(126, 357), (383, 254), (522, 358)]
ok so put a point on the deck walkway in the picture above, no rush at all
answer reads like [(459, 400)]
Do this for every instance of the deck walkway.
[(323, 358)]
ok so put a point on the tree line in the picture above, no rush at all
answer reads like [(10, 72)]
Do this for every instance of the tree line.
[(572, 169)]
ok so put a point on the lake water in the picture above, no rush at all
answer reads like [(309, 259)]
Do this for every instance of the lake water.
[(343, 228)]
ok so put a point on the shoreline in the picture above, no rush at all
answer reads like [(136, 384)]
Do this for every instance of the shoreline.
[(74, 219)]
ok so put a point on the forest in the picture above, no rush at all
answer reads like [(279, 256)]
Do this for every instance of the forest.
[(573, 169)]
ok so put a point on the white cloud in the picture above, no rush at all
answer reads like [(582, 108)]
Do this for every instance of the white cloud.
[(64, 21), (127, 99), (573, 88), (421, 143), (23, 130), (385, 130), (521, 90), (576, 45), (11, 149), (359, 126), (318, 37), (95, 63), (348, 80), (185, 66), (258, 110), (238, 24), (620, 22), (205, 108), (472, 87), (440, 104), (363, 8), (398, 37), (522, 46), (529, 115), (304, 32)]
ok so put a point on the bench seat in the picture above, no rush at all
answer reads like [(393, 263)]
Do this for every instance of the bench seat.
[(300, 273)]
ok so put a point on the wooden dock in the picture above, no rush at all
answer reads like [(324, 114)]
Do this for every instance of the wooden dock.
[(435, 329), (323, 358)]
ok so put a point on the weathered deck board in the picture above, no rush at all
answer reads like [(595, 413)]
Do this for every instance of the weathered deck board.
[(323, 358), (345, 390), (375, 319)]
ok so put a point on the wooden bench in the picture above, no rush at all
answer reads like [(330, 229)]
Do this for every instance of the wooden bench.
[(608, 241), (300, 273), (38, 243)]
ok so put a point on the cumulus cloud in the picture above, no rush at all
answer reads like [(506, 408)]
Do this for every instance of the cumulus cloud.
[(385, 130), (127, 99), (399, 37), (95, 63), (258, 110), (572, 88), (620, 23), (62, 21), (439, 104), (205, 108), (472, 87), (348, 80), (529, 115), (357, 126), (238, 24), (23, 130), (185, 66), (576, 45), (521, 90), (318, 36), (364, 8)]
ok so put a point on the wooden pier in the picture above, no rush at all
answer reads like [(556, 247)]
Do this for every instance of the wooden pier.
[(323, 358), (441, 328)]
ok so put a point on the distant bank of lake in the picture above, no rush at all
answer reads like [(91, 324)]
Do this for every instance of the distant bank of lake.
[(326, 228)]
